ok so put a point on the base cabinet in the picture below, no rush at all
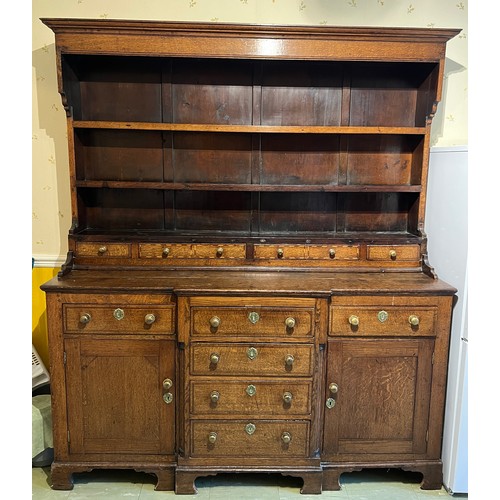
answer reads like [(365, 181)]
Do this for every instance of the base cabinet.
[(183, 385)]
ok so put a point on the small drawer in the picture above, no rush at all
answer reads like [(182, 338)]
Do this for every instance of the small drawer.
[(117, 319), (250, 397), (383, 320), (103, 250), (250, 438), (252, 321), (291, 360), (394, 253), (307, 252), (172, 251)]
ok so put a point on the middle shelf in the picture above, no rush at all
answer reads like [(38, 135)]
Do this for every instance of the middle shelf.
[(165, 159)]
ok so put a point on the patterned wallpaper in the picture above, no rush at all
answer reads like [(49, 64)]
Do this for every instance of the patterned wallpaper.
[(51, 211)]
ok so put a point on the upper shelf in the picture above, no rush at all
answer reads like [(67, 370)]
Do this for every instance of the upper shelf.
[(256, 129)]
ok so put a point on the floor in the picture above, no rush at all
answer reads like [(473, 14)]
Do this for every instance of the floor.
[(365, 485)]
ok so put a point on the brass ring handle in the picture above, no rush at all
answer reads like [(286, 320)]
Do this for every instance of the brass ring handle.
[(392, 254), (286, 437), (214, 322), (334, 388), (287, 397), (290, 322), (353, 320), (332, 253), (85, 318), (214, 396), (102, 249), (166, 252), (280, 253), (212, 437), (149, 319), (219, 251), (214, 358), (414, 320), (289, 359)]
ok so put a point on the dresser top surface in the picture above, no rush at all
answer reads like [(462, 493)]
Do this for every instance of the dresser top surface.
[(289, 283)]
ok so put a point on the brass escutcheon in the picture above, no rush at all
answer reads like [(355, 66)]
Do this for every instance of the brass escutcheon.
[(118, 314), (250, 429), (252, 353), (251, 390), (330, 403), (253, 317), (382, 316)]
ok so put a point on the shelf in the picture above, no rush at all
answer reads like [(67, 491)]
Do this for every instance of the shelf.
[(255, 129), (176, 186)]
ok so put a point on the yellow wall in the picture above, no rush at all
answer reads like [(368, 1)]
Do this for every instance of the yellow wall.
[(38, 322), (51, 212)]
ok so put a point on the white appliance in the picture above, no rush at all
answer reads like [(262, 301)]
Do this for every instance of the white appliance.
[(446, 228)]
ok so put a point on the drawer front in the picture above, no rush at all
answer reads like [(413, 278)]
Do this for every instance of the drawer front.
[(394, 253), (103, 250), (124, 319), (250, 397), (252, 321), (250, 438), (383, 320), (307, 252), (289, 360), (170, 251)]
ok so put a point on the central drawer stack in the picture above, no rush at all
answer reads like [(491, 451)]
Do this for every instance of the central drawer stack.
[(251, 380)]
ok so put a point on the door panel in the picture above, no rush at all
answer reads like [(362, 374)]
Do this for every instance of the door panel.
[(115, 396), (382, 402)]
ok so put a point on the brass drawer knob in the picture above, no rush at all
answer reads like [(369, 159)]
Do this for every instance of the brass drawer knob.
[(212, 437), (214, 396), (289, 359), (214, 322), (280, 253), (353, 320), (149, 319), (287, 397), (286, 437), (102, 250), (392, 254), (214, 358), (167, 384), (219, 252), (414, 320), (334, 388), (166, 252), (331, 252), (290, 322), (85, 318)]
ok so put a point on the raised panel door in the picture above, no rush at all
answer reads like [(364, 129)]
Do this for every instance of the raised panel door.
[(115, 396), (379, 404)]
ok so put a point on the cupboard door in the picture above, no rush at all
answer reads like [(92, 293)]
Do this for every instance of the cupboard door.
[(380, 398), (115, 396)]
